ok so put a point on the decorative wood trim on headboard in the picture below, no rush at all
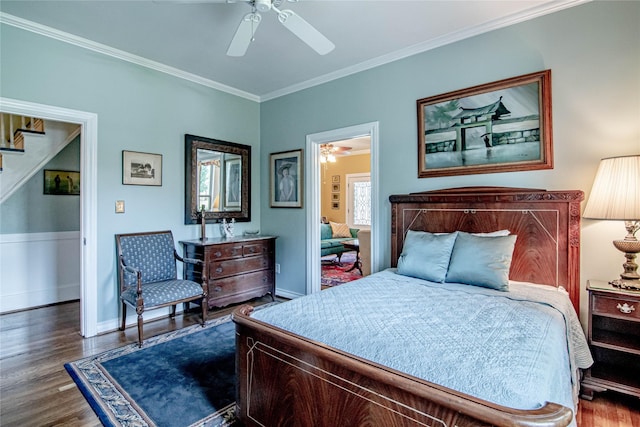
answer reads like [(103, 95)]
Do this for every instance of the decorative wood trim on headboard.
[(547, 224)]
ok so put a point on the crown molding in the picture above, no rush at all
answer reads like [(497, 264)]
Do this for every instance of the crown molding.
[(46, 31), (535, 12)]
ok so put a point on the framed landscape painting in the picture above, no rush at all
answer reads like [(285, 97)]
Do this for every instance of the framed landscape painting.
[(504, 126), (61, 182)]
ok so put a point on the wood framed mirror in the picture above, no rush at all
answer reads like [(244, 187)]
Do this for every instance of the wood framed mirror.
[(217, 180)]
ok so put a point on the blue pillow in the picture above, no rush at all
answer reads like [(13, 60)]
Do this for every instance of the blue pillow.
[(481, 261), (426, 255)]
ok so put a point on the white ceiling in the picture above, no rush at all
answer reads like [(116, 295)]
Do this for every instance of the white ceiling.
[(190, 37)]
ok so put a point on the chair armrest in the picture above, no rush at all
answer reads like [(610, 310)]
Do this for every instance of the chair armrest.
[(187, 260), (128, 269), (192, 261), (131, 270)]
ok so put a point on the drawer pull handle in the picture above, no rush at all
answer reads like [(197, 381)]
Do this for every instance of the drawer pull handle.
[(218, 254), (219, 270), (626, 308), (217, 289)]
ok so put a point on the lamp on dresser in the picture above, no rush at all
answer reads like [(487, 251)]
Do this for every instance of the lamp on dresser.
[(615, 195)]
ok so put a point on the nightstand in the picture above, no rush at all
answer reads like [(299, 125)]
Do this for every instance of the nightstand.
[(614, 340)]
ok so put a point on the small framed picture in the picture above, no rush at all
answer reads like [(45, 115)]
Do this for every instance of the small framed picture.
[(233, 170), (335, 178), (335, 188), (141, 168), (335, 205), (61, 182), (335, 197), (286, 179)]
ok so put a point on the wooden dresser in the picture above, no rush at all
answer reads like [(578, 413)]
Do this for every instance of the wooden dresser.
[(614, 339), (236, 269)]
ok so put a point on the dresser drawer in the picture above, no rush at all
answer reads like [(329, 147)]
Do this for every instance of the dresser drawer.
[(257, 248), (245, 283), (619, 307), (232, 267), (229, 251)]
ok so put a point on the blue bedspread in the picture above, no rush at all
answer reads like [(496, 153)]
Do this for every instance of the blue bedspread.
[(519, 348)]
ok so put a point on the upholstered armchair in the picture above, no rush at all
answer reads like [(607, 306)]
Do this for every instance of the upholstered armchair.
[(364, 239), (147, 275)]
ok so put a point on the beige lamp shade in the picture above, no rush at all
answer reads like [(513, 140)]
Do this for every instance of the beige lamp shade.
[(615, 194)]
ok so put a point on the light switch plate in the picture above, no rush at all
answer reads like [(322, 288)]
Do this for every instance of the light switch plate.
[(119, 206)]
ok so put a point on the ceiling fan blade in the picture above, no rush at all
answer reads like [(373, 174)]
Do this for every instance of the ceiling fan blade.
[(305, 31), (244, 34)]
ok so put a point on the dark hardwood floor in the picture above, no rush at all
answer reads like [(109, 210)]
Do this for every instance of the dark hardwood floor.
[(36, 390)]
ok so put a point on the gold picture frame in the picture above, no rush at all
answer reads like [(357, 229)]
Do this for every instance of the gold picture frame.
[(504, 126)]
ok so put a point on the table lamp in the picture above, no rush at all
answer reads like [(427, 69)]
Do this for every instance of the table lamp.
[(615, 195)]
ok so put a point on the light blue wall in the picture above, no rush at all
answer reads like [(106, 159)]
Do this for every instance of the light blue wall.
[(138, 109), (28, 210), (593, 51)]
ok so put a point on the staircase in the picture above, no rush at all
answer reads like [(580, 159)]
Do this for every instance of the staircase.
[(25, 148)]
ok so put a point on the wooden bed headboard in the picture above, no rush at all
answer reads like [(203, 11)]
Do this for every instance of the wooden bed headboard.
[(547, 224)]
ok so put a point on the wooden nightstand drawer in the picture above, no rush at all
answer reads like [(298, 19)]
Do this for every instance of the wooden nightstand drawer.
[(614, 340), (616, 306)]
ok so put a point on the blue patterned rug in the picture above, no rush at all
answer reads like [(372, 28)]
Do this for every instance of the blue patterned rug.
[(182, 378)]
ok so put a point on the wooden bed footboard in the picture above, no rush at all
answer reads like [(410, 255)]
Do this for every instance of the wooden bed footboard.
[(287, 380)]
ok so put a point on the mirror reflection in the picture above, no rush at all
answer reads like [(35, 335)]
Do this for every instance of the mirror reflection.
[(217, 179)]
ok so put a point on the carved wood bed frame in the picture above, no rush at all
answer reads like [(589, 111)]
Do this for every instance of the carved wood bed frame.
[(287, 380)]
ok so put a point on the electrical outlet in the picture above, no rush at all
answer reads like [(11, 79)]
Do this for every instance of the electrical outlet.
[(119, 206), (277, 268)]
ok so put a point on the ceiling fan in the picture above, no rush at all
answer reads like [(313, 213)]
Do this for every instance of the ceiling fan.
[(293, 22), (328, 152)]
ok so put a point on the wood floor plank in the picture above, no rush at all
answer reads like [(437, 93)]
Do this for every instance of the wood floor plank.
[(35, 389)]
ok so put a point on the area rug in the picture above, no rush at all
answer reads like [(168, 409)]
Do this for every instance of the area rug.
[(334, 274), (178, 379)]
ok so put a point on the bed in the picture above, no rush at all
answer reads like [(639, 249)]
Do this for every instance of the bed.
[(334, 370)]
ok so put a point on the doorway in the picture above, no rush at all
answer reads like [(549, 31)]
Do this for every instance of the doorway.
[(312, 191), (88, 198)]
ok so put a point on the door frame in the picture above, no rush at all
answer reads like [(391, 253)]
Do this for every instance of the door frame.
[(312, 191), (88, 198)]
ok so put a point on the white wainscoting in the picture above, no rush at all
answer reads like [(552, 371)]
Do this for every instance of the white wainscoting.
[(38, 269)]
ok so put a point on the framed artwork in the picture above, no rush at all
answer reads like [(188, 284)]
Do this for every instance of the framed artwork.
[(286, 179), (504, 126), (335, 188), (335, 178), (232, 184), (141, 168), (335, 205), (61, 182), (335, 197)]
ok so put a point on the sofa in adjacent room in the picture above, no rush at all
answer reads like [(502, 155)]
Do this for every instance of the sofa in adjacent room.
[(331, 242)]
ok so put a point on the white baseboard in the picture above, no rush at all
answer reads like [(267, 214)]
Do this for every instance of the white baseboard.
[(288, 294)]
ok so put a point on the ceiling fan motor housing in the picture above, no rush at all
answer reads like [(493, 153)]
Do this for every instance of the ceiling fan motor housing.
[(262, 5)]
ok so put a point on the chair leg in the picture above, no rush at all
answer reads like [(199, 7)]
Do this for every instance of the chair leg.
[(124, 317), (139, 329), (205, 310), (173, 311)]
